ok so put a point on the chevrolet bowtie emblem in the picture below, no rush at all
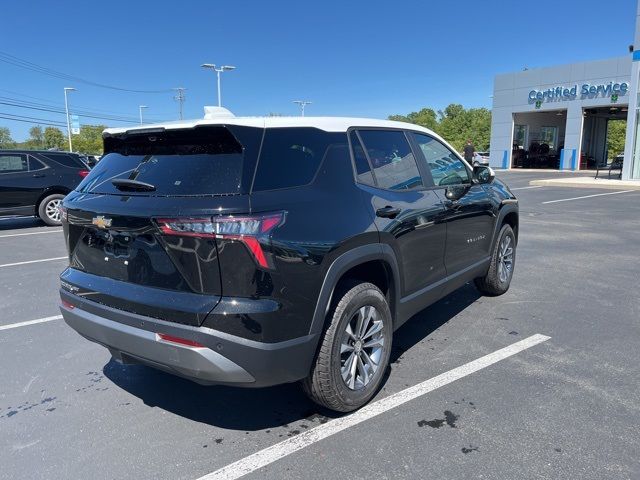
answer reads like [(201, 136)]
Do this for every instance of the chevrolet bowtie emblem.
[(101, 222)]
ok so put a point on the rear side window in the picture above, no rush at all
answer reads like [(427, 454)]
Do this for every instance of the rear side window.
[(65, 159), (392, 160), (199, 161), (363, 170), (290, 157), (35, 164), (13, 163)]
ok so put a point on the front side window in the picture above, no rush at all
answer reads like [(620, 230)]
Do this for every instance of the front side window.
[(392, 160), (13, 163), (446, 168)]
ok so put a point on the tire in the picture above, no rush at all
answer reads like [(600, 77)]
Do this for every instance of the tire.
[(48, 209), (326, 384), (503, 261)]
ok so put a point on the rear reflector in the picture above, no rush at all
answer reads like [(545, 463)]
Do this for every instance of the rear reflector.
[(246, 229), (68, 305), (178, 340)]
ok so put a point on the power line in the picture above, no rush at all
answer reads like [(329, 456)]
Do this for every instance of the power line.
[(34, 67), (25, 119), (76, 112)]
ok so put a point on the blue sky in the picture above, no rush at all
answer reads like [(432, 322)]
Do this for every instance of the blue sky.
[(360, 58)]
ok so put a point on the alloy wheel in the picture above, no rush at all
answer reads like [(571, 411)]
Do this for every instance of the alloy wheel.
[(361, 347), (52, 209), (505, 259)]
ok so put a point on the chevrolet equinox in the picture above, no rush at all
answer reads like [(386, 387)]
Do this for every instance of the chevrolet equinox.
[(259, 251)]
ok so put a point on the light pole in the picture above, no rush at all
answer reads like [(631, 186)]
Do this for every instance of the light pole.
[(66, 108), (223, 68), (140, 107), (302, 104)]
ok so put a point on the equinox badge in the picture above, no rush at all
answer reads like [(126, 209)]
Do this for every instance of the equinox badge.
[(101, 222)]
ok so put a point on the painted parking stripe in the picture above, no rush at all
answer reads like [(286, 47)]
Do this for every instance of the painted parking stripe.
[(588, 196), (33, 261), (287, 447), (527, 188), (30, 322), (29, 233)]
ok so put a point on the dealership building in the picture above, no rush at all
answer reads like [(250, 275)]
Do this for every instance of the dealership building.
[(558, 117)]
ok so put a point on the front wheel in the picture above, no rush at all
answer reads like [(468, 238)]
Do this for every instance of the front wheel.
[(354, 351), (503, 260), (49, 209)]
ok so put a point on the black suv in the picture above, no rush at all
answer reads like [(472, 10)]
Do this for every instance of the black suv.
[(35, 182), (254, 252)]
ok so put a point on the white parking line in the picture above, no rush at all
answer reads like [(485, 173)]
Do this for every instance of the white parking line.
[(588, 196), (287, 447), (30, 322), (527, 188), (29, 233), (32, 261)]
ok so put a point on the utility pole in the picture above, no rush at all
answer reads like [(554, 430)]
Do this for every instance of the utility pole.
[(180, 98), (66, 108), (140, 107), (302, 104), (223, 68)]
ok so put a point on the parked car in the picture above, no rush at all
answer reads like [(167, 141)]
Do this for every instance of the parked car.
[(481, 158), (254, 252), (35, 182)]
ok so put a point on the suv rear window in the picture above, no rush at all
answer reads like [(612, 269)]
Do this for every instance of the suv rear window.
[(290, 157), (199, 161)]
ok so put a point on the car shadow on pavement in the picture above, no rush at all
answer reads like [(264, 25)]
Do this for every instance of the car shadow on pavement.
[(14, 223), (257, 409)]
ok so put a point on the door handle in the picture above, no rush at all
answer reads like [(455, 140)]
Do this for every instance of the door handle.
[(388, 212), (38, 175)]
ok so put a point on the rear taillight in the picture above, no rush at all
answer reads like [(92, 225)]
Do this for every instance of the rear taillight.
[(83, 173), (247, 229)]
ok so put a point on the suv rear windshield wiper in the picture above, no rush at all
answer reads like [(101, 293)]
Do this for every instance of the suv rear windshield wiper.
[(126, 184)]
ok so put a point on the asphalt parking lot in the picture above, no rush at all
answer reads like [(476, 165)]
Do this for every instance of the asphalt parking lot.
[(563, 407)]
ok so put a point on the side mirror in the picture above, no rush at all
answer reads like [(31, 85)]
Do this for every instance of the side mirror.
[(456, 192), (484, 174)]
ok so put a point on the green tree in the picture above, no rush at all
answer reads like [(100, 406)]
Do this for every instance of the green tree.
[(455, 124), (89, 140), (425, 118), (36, 138), (616, 133), (54, 138), (5, 138)]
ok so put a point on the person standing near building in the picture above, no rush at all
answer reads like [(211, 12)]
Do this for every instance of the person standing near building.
[(469, 151)]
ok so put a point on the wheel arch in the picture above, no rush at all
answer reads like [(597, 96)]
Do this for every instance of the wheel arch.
[(50, 191), (374, 263)]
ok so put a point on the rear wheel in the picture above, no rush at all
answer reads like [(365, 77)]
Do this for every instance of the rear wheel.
[(503, 260), (354, 351), (49, 209)]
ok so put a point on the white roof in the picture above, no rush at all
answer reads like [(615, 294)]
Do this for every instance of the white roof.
[(328, 124)]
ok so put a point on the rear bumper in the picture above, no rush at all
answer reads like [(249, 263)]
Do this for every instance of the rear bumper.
[(221, 358)]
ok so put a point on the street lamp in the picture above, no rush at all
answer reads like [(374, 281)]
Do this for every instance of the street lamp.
[(66, 108), (140, 107), (218, 70), (302, 104)]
